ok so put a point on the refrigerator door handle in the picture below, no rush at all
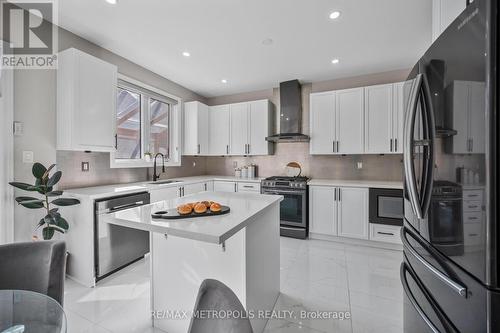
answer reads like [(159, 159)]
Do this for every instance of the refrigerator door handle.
[(460, 289), (412, 299), (447, 325), (430, 136), (409, 169)]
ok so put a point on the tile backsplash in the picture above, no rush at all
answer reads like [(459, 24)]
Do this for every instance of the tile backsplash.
[(374, 167)]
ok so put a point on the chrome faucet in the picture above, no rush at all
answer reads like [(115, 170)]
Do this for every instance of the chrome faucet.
[(155, 176)]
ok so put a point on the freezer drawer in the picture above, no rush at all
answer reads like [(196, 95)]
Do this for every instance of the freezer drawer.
[(460, 296)]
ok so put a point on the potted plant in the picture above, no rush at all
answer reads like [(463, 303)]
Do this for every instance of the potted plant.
[(44, 183)]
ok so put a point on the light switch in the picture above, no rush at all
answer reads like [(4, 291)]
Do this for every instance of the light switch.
[(27, 156), (18, 128), (235, 164), (85, 166)]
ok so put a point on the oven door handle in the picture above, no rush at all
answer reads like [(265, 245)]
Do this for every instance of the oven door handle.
[(460, 289), (284, 192)]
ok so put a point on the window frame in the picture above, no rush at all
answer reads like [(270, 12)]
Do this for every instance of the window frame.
[(174, 125)]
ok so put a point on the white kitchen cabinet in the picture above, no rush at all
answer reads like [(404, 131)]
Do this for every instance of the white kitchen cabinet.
[(322, 210), (196, 129), (189, 189), (248, 187), (160, 194), (444, 12), (223, 186), (219, 130), (349, 121), (322, 119), (385, 233), (261, 126), (353, 212), (86, 102), (466, 115), (379, 112), (401, 90), (239, 115)]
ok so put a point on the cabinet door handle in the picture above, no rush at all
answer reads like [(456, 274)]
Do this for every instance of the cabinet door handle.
[(471, 144), (333, 146), (338, 144), (227, 149), (116, 141), (395, 145), (334, 194), (391, 145), (199, 148), (340, 194), (385, 233), (235, 187)]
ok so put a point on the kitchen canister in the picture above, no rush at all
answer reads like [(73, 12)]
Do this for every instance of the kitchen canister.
[(244, 172), (237, 173), (251, 171)]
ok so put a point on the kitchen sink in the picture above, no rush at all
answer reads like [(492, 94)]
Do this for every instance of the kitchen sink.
[(163, 182)]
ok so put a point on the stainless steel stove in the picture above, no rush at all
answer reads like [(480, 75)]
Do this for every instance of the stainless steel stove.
[(293, 208)]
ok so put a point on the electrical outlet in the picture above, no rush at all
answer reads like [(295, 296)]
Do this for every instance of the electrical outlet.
[(18, 128), (85, 166), (359, 165), (27, 156), (235, 164)]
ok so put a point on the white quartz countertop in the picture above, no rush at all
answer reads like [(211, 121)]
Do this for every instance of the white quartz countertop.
[(211, 229), (356, 183), (98, 192)]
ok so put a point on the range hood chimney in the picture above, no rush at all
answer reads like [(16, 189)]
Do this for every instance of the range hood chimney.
[(290, 114)]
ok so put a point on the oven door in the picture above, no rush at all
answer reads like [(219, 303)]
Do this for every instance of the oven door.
[(292, 208)]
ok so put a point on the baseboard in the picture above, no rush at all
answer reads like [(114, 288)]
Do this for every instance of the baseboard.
[(352, 241)]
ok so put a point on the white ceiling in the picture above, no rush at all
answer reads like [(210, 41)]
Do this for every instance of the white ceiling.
[(224, 38)]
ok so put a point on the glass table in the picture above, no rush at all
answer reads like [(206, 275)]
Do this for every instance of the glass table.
[(26, 311)]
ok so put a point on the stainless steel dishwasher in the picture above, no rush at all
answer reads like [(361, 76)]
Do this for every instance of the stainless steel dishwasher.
[(115, 246)]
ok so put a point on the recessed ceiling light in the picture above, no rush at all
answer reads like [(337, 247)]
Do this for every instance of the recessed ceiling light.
[(335, 15), (335, 61), (186, 54), (113, 2), (267, 41), (223, 81)]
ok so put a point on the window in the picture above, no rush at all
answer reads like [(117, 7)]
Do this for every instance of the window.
[(145, 119)]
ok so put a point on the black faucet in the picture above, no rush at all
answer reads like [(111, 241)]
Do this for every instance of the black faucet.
[(155, 176)]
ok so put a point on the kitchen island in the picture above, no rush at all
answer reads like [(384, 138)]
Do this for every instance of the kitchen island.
[(240, 249)]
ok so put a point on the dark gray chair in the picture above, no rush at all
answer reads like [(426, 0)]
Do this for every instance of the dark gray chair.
[(216, 296), (34, 266)]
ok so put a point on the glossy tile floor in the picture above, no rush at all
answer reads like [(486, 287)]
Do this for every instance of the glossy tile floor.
[(315, 276)]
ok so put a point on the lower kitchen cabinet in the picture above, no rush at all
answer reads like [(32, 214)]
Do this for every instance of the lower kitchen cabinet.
[(338, 211), (322, 210), (353, 212), (221, 186), (248, 187), (194, 188), (161, 194)]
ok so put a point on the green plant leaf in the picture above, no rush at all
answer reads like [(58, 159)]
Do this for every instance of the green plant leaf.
[(46, 174), (38, 170), (21, 199), (54, 193), (61, 222), (54, 179), (40, 223), (33, 204), (23, 186), (65, 202), (48, 232)]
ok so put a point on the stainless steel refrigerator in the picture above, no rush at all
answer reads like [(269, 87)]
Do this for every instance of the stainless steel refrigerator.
[(450, 235)]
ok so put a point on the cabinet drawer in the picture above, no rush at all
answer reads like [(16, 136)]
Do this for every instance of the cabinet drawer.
[(472, 217), (248, 187), (385, 233), (472, 206), (472, 234), (476, 195)]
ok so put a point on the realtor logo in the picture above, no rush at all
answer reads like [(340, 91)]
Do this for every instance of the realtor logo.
[(29, 29)]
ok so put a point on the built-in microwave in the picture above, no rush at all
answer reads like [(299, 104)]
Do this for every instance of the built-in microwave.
[(386, 206)]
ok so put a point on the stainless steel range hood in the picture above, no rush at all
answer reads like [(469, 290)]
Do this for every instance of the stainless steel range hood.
[(290, 114)]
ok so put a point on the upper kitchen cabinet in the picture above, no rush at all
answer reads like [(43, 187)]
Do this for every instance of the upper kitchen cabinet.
[(349, 109), (322, 118), (465, 101), (379, 118), (196, 129), (239, 115), (398, 115), (443, 13), (261, 126), (86, 99), (219, 130)]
